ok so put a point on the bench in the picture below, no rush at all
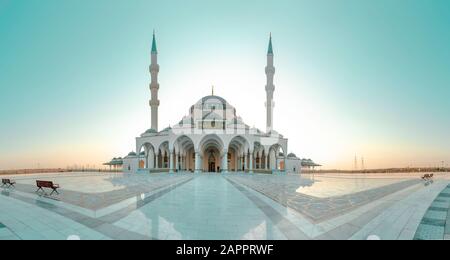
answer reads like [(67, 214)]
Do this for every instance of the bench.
[(47, 184), (8, 182), (427, 176)]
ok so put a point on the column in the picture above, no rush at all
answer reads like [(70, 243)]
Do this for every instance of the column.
[(225, 161), (150, 159), (177, 162), (250, 167), (245, 162), (266, 162), (158, 166), (276, 163), (197, 163), (146, 159), (171, 170), (182, 162), (239, 162)]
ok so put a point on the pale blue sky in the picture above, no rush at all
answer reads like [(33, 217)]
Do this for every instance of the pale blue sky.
[(369, 78)]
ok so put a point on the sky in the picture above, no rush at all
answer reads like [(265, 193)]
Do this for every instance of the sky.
[(353, 78)]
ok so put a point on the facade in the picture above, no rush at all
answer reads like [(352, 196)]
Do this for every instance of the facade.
[(211, 138)]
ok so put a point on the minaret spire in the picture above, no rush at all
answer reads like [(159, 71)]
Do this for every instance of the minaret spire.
[(154, 50), (270, 49), (270, 88), (154, 85)]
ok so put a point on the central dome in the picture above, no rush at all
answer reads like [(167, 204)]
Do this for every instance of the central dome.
[(211, 112), (212, 98), (212, 105), (212, 102)]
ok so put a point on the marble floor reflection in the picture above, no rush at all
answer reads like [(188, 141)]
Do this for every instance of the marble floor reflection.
[(226, 206)]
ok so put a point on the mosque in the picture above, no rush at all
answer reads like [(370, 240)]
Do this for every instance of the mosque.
[(212, 137)]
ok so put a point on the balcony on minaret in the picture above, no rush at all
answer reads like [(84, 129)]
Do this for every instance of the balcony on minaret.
[(270, 87), (272, 104), (270, 70), (154, 86), (154, 103), (154, 68)]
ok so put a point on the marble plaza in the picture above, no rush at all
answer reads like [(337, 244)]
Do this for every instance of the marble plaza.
[(227, 206)]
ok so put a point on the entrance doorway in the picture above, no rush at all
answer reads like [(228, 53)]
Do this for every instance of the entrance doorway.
[(211, 163)]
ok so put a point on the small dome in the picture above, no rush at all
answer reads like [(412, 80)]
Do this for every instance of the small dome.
[(132, 154), (292, 155), (167, 129), (151, 131)]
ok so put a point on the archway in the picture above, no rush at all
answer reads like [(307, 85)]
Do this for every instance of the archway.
[(163, 156), (237, 150), (146, 156), (211, 159), (211, 152), (277, 157), (184, 154), (259, 156)]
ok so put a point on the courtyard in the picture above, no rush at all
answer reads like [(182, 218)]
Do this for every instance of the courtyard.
[(215, 206)]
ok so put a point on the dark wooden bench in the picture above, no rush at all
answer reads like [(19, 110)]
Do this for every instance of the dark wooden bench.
[(8, 182), (427, 176), (47, 184)]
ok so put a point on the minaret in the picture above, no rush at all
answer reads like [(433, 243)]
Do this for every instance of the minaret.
[(270, 71), (154, 86)]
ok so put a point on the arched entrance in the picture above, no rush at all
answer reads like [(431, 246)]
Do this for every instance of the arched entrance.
[(184, 154), (212, 163), (163, 156), (211, 148), (146, 156), (237, 150), (277, 158)]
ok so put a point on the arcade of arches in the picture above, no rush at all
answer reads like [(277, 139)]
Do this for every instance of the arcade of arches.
[(211, 156)]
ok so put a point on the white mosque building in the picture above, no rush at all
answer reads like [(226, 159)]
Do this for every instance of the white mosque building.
[(212, 138)]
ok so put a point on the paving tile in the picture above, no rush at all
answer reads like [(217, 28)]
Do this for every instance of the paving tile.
[(428, 232), (5, 232), (438, 215), (319, 209)]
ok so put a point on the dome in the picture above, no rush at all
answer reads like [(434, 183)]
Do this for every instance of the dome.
[(212, 98), (216, 102), (132, 154), (292, 155), (151, 131)]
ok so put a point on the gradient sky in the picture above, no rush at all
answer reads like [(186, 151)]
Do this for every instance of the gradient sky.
[(365, 78)]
